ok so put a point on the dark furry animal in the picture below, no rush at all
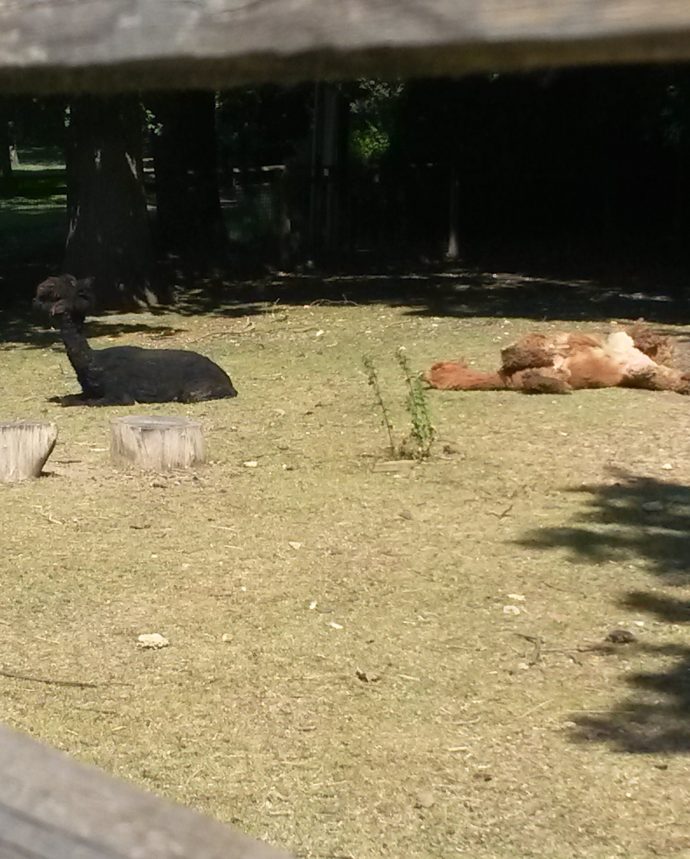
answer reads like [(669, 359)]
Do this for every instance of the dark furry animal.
[(122, 375)]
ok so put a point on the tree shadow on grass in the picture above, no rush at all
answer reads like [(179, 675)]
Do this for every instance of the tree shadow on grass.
[(647, 520), (534, 280), (440, 290), (22, 327), (487, 288), (630, 518), (21, 333)]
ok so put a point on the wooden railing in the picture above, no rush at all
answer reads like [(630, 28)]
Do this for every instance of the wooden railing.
[(54, 808), (58, 45)]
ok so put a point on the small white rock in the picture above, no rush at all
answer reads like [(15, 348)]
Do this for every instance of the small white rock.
[(152, 641), (252, 463), (335, 625), (293, 544), (511, 609), (516, 597), (667, 466)]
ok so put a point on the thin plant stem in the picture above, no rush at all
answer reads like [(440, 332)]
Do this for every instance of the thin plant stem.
[(373, 380)]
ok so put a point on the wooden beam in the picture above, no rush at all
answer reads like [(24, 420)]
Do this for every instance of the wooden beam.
[(54, 808), (66, 45)]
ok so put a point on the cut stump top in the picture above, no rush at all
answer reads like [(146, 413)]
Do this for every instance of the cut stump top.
[(157, 422)]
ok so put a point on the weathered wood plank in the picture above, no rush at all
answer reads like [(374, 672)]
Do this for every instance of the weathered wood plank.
[(54, 808), (52, 45)]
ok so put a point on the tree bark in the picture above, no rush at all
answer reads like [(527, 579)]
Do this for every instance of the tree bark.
[(453, 248), (189, 214), (5, 150), (156, 443), (329, 166), (24, 448), (109, 234)]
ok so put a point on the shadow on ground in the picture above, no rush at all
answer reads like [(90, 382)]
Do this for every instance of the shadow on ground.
[(454, 291), (547, 280), (647, 520), (24, 328), (531, 285)]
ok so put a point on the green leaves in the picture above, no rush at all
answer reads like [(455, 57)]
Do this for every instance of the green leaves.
[(416, 444)]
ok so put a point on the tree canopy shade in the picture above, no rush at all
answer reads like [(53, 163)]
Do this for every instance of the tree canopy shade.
[(109, 236), (68, 45)]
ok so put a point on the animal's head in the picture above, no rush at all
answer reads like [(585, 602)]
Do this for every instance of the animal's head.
[(65, 295)]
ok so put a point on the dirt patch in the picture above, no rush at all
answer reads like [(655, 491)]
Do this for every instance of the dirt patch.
[(364, 663)]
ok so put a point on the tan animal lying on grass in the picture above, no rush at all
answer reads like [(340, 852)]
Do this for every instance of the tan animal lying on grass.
[(568, 361)]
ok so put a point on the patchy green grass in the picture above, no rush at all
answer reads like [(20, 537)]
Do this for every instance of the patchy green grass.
[(33, 219), (363, 663)]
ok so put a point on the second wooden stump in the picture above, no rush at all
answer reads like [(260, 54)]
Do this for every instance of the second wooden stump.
[(156, 443)]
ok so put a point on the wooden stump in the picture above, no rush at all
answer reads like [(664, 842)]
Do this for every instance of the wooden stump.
[(24, 448), (156, 443)]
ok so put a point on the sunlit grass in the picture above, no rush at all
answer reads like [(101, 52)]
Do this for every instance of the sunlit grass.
[(32, 211), (362, 662)]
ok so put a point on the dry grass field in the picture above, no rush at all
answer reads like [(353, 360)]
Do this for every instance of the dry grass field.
[(363, 663)]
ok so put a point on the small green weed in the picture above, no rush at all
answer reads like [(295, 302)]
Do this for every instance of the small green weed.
[(416, 444), (373, 380)]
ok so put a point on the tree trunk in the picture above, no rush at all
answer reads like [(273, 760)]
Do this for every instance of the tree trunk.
[(109, 234), (5, 151), (156, 443), (189, 214), (329, 165), (453, 248), (24, 448)]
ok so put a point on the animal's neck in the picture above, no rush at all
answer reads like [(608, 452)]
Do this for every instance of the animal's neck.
[(80, 354)]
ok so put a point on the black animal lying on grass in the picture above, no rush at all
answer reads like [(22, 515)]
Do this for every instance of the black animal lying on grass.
[(121, 375)]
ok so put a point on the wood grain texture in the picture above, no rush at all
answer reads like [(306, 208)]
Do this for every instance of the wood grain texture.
[(54, 808), (53, 45), (24, 448), (156, 442)]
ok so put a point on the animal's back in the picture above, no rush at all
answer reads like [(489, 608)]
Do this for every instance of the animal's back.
[(161, 375)]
